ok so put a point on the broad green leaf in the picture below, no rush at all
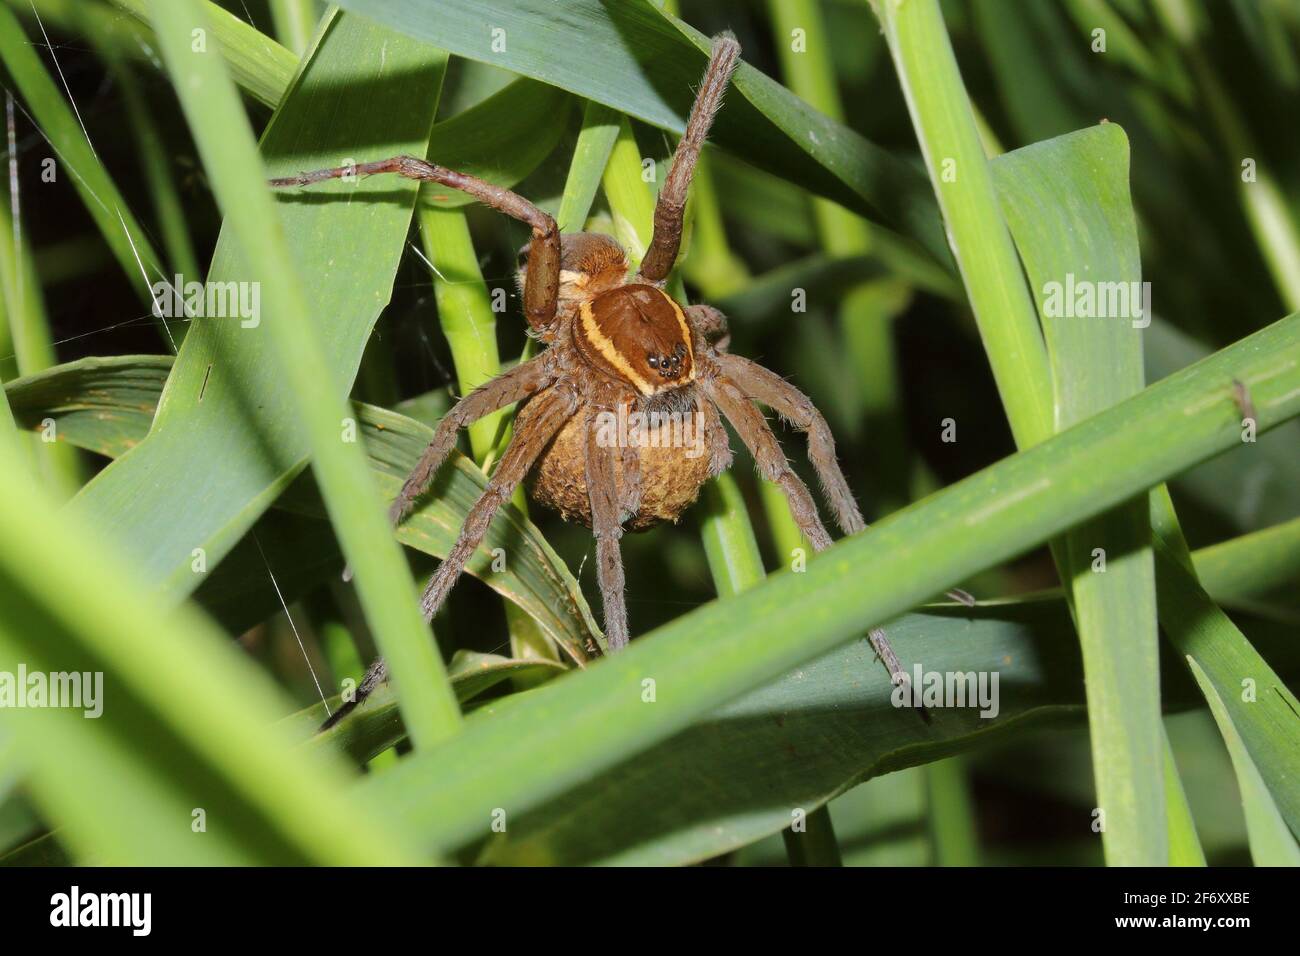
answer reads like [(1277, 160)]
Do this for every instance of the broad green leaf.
[(502, 139), (552, 738), (737, 774)]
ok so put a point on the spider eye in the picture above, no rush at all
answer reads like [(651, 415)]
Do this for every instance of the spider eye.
[(652, 360)]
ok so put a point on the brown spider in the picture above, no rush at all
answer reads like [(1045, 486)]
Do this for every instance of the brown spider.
[(627, 373)]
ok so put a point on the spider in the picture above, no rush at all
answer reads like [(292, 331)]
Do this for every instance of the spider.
[(626, 373)]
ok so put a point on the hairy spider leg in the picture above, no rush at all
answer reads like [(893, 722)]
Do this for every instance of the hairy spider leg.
[(542, 286), (671, 206)]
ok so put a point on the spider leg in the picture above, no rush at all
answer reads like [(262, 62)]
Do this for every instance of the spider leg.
[(753, 430), (719, 444), (662, 254), (710, 325), (542, 285), (607, 526), (768, 456), (764, 385), (534, 429), (510, 386)]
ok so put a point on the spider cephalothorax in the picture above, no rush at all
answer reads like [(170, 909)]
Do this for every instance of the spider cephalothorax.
[(621, 415)]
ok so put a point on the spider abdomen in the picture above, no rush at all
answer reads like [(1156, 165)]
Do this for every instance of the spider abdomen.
[(672, 456)]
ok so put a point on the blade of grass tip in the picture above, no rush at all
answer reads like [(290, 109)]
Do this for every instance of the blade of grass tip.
[(1067, 203), (1250, 694), (1263, 201), (256, 62), (295, 22), (220, 127), (1271, 841), (954, 840), (22, 304), (725, 648), (60, 123)]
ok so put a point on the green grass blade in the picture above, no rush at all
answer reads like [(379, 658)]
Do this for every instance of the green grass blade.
[(295, 22), (1271, 842), (1184, 845), (985, 254), (170, 739), (718, 652), (1067, 204), (230, 155), (951, 813), (61, 126), (600, 129), (1248, 692), (256, 62), (1241, 571)]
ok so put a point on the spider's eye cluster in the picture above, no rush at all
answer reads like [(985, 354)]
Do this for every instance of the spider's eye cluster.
[(669, 366)]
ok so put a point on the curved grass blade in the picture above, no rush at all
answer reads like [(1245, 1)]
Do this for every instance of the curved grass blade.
[(256, 62), (1271, 843)]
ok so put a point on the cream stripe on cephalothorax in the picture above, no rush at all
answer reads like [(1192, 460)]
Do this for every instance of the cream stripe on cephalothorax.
[(593, 333)]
